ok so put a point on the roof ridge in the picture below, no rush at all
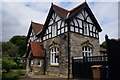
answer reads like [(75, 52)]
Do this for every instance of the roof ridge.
[(37, 23), (60, 7), (77, 7)]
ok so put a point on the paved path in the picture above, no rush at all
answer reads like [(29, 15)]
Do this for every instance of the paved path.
[(51, 79), (47, 77)]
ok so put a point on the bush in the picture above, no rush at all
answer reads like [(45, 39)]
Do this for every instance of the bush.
[(8, 64), (22, 66), (8, 76), (19, 72)]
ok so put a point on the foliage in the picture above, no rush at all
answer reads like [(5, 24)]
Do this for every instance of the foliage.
[(22, 65), (103, 45), (20, 41), (9, 49), (8, 76), (8, 64), (19, 71)]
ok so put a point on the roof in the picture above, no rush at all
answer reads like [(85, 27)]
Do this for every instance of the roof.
[(65, 13), (61, 11), (37, 28), (36, 49), (69, 15)]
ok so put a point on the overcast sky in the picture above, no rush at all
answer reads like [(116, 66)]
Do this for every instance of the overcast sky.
[(17, 16)]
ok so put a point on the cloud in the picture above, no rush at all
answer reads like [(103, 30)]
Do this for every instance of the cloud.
[(17, 16), (107, 15)]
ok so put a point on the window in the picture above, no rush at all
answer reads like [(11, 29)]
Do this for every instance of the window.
[(54, 56), (54, 32), (32, 62), (39, 63), (86, 30), (86, 51)]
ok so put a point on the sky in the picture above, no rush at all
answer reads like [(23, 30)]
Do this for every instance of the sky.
[(17, 16)]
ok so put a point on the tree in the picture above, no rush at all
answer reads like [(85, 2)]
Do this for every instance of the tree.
[(104, 43), (9, 49), (20, 41)]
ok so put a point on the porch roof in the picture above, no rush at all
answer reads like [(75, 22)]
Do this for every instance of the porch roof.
[(37, 50)]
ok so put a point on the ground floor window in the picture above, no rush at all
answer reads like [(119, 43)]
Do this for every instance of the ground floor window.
[(39, 63), (54, 56), (86, 51), (32, 62)]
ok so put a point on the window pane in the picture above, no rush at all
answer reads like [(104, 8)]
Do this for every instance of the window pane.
[(65, 29), (81, 31), (59, 24), (75, 22), (49, 29), (76, 30), (72, 28), (58, 32), (54, 30), (62, 30)]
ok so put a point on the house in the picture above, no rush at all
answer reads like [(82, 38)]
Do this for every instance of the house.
[(64, 35)]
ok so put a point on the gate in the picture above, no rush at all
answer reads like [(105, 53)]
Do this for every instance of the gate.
[(77, 68), (81, 68), (113, 48)]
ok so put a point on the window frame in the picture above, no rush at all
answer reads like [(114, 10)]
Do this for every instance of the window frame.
[(87, 52), (53, 59)]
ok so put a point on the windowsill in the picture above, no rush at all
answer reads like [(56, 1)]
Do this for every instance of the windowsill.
[(54, 65)]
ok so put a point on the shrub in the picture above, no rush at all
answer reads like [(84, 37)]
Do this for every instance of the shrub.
[(8, 64), (8, 76), (22, 65), (19, 71)]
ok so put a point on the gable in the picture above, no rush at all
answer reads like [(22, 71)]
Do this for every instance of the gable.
[(54, 27), (57, 17)]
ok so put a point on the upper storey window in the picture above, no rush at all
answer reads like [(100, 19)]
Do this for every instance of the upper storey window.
[(86, 28), (54, 30)]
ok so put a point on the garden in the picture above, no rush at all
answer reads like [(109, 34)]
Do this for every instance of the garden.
[(12, 70)]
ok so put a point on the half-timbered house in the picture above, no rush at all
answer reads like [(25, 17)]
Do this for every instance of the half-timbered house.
[(65, 35)]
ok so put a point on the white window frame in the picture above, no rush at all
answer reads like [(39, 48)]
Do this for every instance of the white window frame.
[(87, 51), (53, 52)]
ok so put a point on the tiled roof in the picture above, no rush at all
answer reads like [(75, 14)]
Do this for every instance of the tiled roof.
[(37, 27), (75, 10), (36, 49), (65, 13), (61, 11)]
